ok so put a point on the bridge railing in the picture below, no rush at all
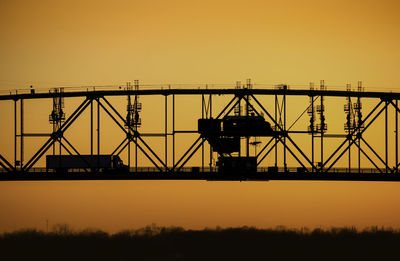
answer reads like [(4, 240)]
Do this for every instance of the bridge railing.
[(194, 170), (332, 170)]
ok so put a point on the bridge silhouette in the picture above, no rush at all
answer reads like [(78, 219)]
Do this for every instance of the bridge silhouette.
[(227, 132)]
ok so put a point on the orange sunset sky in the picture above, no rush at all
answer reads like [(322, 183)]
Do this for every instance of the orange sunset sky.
[(79, 43)]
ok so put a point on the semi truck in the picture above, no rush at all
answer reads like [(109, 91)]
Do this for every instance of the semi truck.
[(98, 162)]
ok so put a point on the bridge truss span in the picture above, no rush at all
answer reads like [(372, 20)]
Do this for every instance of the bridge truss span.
[(237, 133)]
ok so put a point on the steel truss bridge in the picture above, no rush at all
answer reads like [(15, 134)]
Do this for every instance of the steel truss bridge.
[(244, 101)]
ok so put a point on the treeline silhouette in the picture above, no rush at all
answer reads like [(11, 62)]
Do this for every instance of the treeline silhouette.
[(175, 243)]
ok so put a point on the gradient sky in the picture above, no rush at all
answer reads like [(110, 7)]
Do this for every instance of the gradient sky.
[(79, 43)]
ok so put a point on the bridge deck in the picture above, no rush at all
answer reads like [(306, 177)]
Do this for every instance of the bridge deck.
[(206, 175)]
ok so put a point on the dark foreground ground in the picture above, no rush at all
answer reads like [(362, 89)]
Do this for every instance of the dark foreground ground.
[(155, 243)]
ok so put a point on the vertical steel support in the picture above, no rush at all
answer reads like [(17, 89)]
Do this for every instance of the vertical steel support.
[(397, 138), (136, 154), (276, 139), (359, 153), (350, 130), (129, 148), (349, 148), (211, 150), (129, 134), (386, 136), (202, 145), (247, 138), (91, 127), (322, 131), (15, 134), (166, 132), (22, 132), (136, 150), (98, 133), (284, 128), (359, 138), (312, 134), (98, 128), (240, 114), (136, 138), (173, 130), (54, 130), (59, 145)]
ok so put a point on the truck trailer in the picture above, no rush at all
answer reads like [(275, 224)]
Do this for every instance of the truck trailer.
[(98, 162)]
